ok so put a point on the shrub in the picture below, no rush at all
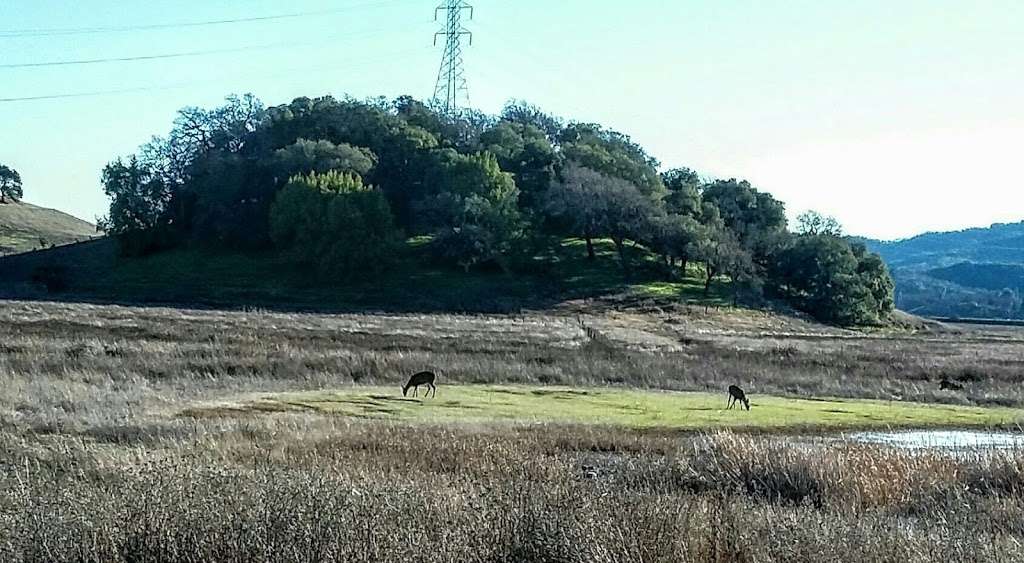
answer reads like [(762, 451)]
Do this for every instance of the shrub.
[(333, 222), (833, 280)]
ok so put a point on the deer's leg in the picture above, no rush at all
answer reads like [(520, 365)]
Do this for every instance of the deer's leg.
[(434, 389)]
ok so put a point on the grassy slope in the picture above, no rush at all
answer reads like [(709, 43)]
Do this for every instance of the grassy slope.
[(23, 227), (200, 277), (617, 407)]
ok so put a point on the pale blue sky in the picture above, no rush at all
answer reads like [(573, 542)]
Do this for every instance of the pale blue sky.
[(896, 116)]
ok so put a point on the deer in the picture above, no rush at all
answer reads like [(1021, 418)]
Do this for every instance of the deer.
[(421, 378), (736, 395), (947, 385)]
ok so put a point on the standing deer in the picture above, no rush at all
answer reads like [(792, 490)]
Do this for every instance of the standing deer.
[(421, 378), (736, 395)]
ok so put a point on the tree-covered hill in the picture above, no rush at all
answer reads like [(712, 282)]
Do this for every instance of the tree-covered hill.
[(995, 277), (343, 193), (968, 273), (1002, 243)]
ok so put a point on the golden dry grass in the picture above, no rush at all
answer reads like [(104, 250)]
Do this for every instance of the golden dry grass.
[(96, 463)]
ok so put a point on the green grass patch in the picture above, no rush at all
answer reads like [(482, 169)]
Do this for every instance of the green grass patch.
[(618, 407)]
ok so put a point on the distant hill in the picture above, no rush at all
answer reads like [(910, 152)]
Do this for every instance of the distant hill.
[(1002, 243), (970, 273), (25, 227), (996, 277)]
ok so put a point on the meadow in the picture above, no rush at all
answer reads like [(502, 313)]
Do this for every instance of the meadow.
[(631, 408), (582, 433)]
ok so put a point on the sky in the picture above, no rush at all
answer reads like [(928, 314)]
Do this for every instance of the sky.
[(895, 116)]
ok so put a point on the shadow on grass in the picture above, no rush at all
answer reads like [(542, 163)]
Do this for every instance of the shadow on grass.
[(204, 279), (562, 393)]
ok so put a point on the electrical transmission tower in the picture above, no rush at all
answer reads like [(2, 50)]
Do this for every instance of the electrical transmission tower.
[(451, 92)]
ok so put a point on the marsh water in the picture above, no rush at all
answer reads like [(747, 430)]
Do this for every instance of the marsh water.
[(942, 439)]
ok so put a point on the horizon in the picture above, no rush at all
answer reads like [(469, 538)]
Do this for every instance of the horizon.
[(910, 105)]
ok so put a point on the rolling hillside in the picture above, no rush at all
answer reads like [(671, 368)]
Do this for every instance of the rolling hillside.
[(970, 273), (25, 227)]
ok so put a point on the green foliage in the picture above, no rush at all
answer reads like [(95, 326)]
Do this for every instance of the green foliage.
[(224, 204), (10, 184), (747, 212), (523, 113), (756, 218), (525, 152), (677, 236), (684, 192), (834, 280), (613, 154), (874, 275), (304, 157), (333, 222), (139, 208), (402, 148), (475, 212), (487, 192), (461, 132), (722, 254), (138, 197)]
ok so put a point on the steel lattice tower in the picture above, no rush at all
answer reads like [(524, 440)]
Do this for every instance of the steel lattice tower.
[(451, 92)]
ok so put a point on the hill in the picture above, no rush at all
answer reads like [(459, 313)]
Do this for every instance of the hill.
[(1001, 243), (996, 277), (969, 273), (336, 203), (25, 227)]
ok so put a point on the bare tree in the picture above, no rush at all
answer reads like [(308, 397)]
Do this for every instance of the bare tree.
[(814, 223), (595, 205)]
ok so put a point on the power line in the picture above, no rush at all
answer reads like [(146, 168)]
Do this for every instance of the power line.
[(186, 53), (96, 93), (451, 90), (49, 32)]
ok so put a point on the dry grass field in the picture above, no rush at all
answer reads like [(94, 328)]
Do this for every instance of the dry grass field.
[(109, 452)]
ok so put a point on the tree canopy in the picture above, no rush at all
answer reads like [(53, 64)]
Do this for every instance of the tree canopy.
[(482, 190), (10, 184)]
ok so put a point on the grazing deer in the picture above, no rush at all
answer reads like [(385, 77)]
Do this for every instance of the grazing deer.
[(736, 395), (947, 385), (421, 378)]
